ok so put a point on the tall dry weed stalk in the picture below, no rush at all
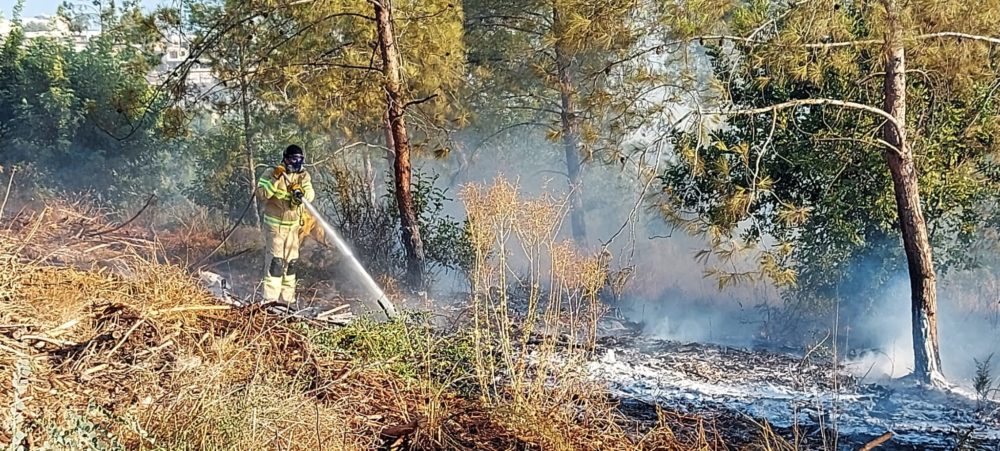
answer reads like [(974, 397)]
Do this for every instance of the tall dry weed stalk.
[(517, 339)]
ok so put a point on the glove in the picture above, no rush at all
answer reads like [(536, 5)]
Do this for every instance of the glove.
[(279, 171), (297, 193)]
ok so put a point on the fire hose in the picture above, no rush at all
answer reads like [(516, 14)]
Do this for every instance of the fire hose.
[(381, 300)]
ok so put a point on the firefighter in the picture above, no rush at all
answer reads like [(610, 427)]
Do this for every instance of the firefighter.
[(282, 191)]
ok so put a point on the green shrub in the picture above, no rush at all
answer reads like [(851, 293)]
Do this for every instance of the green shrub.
[(407, 346)]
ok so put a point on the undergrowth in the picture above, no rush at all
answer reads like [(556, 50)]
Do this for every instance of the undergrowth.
[(104, 347)]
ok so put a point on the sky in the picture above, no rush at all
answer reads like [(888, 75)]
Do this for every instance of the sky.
[(36, 7)]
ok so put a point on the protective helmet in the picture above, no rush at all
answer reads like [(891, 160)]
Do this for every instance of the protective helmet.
[(294, 158)]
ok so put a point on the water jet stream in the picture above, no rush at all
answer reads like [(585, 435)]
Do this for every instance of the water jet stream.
[(381, 300)]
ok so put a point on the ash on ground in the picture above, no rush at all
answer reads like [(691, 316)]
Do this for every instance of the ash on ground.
[(806, 400)]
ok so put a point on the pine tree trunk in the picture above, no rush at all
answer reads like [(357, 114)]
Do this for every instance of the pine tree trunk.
[(400, 143), (916, 242), (571, 140)]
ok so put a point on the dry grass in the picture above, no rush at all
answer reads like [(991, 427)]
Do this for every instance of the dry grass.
[(530, 350), (103, 347), (139, 352)]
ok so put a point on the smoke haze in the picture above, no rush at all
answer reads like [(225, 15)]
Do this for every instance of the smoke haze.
[(670, 296)]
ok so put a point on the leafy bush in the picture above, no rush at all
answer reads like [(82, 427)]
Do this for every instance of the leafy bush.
[(80, 432), (446, 240), (83, 119)]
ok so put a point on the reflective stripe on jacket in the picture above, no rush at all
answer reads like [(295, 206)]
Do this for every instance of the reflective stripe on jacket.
[(274, 193)]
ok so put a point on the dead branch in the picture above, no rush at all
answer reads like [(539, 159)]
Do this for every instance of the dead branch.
[(167, 343), (229, 234), (16, 352), (877, 442), (48, 340), (419, 101), (857, 43), (95, 369), (226, 260), (815, 45), (805, 358), (191, 308), (332, 312), (149, 201), (7, 194), (638, 202), (63, 328), (31, 234), (125, 337)]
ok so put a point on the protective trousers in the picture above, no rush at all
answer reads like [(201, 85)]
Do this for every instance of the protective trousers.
[(281, 262)]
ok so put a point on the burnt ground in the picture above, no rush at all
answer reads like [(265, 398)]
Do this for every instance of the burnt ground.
[(810, 402), (736, 389)]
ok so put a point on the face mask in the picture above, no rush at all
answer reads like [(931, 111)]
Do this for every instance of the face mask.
[(294, 163)]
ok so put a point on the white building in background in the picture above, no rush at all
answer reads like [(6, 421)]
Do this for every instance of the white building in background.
[(174, 50), (177, 51), (51, 27)]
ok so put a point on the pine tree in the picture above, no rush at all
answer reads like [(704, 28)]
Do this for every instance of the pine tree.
[(552, 64), (822, 60)]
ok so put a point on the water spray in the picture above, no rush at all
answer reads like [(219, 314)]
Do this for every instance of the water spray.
[(380, 298)]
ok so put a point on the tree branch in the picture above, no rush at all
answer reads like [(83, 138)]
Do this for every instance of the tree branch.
[(149, 202), (426, 16), (315, 64), (875, 75), (502, 131), (511, 27), (501, 20), (197, 265), (632, 216), (815, 102), (818, 45), (959, 36), (418, 102), (857, 43), (532, 108)]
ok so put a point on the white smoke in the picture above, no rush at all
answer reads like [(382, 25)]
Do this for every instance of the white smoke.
[(966, 327)]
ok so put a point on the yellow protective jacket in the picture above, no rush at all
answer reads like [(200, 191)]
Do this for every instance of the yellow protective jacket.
[(277, 198)]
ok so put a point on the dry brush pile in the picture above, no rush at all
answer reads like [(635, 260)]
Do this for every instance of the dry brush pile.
[(104, 347)]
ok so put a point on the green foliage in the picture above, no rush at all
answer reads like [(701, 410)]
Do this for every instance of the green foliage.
[(80, 432), (15, 427), (219, 164), (983, 380), (81, 120), (397, 344), (446, 240), (320, 60), (218, 161), (516, 48), (813, 180)]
